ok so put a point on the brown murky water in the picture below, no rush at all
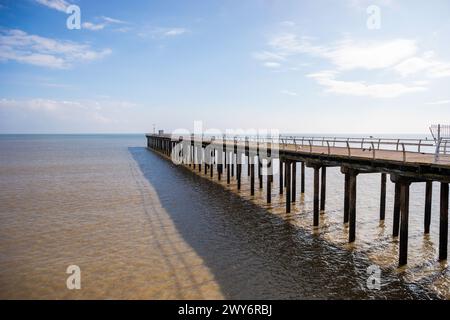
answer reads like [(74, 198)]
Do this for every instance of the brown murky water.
[(141, 228)]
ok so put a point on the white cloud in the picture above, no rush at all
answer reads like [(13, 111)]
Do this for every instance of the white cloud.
[(104, 111), (105, 21), (289, 93), (60, 5), (17, 45), (271, 64), (287, 23), (439, 102), (427, 64), (349, 55), (159, 33), (93, 26), (360, 88), (112, 20)]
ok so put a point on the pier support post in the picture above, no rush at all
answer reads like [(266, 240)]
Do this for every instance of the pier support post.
[(232, 163), (260, 173), (294, 180), (404, 210), (238, 170), (228, 167), (302, 182), (316, 196), (443, 222), (323, 186), (252, 177), (281, 176), (383, 197), (352, 206), (288, 186), (346, 197), (269, 184), (428, 202), (211, 169), (396, 219)]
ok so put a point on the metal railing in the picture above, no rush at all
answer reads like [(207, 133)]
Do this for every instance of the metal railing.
[(371, 145)]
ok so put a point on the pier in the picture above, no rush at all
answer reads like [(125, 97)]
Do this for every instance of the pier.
[(406, 161)]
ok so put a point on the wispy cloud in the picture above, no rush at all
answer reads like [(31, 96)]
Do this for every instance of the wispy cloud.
[(361, 88), (439, 102), (93, 26), (103, 111), (60, 5), (102, 23), (17, 45), (159, 32), (397, 56), (289, 93)]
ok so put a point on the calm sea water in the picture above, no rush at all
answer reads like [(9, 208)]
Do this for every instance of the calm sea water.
[(140, 227)]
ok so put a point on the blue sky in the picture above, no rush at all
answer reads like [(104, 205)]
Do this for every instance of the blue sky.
[(297, 66)]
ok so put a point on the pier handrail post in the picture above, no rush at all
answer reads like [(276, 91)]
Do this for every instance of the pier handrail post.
[(404, 152), (310, 146), (348, 149), (328, 145), (379, 142), (398, 142), (420, 142), (373, 150), (362, 143)]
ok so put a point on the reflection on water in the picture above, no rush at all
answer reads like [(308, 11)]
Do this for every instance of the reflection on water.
[(140, 227)]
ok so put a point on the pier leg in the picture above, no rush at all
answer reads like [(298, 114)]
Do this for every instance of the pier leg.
[(383, 197), (260, 173), (316, 197), (252, 178), (443, 224), (302, 182), (219, 164), (428, 201), (269, 186), (211, 169), (352, 207), (396, 222), (288, 186), (294, 180), (238, 172), (248, 165), (346, 197), (228, 168), (232, 164), (281, 176), (404, 210), (323, 188)]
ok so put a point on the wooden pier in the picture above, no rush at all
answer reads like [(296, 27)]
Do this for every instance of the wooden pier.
[(354, 157)]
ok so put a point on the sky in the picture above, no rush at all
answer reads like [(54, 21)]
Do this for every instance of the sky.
[(319, 66)]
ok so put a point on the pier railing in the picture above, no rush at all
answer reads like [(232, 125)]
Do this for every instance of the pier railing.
[(351, 145)]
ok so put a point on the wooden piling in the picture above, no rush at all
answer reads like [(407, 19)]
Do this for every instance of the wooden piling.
[(323, 185), (302, 179), (252, 178), (294, 180), (404, 212), (346, 197), (443, 222), (281, 176), (428, 202), (228, 168), (316, 197), (288, 186), (352, 207), (269, 185), (383, 197), (396, 222)]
